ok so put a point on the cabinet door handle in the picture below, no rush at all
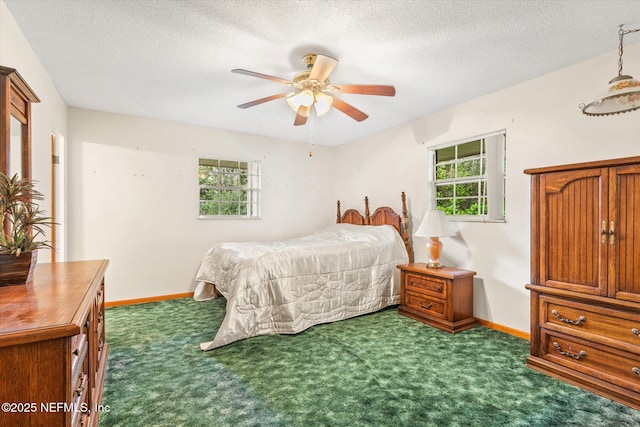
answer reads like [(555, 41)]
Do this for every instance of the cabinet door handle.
[(565, 320), (612, 233), (604, 233), (578, 356)]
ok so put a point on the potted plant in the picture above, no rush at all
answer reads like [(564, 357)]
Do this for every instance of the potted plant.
[(21, 222)]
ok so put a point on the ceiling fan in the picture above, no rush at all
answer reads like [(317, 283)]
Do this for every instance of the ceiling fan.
[(312, 89)]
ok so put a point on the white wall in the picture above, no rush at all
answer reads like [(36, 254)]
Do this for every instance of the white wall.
[(544, 127), (134, 197), (48, 116), (133, 193)]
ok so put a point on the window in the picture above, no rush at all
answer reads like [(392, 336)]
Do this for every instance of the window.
[(469, 178), (229, 188)]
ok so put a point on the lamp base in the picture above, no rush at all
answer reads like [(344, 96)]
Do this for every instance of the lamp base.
[(434, 265), (434, 248)]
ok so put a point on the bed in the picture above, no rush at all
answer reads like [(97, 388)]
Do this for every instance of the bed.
[(341, 271)]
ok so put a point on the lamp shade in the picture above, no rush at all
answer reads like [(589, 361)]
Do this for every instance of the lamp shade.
[(434, 224), (624, 91), (623, 96), (301, 98), (323, 103)]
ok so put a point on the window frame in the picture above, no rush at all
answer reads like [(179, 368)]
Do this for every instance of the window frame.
[(251, 189), (493, 191)]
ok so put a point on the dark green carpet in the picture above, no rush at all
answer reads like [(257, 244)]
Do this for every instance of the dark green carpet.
[(381, 369)]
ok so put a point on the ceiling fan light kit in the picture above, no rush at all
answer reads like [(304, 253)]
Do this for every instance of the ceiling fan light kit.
[(313, 90), (323, 103), (304, 98), (624, 91)]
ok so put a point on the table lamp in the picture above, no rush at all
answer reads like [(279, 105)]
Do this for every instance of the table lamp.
[(434, 225)]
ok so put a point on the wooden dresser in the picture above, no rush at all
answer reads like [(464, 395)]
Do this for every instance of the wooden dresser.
[(440, 297), (53, 353), (585, 276)]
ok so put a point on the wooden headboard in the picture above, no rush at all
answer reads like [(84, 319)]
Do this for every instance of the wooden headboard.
[(381, 216)]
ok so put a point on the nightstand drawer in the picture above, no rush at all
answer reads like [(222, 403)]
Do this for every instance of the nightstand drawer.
[(425, 304), (440, 297), (433, 286)]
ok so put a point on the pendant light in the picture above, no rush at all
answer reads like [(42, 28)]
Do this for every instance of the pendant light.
[(623, 94)]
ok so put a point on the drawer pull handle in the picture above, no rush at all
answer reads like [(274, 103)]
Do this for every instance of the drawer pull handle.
[(635, 331), (427, 307), (636, 371), (82, 386), (578, 356), (565, 320)]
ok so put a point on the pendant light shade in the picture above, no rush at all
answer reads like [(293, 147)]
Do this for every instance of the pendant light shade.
[(623, 94)]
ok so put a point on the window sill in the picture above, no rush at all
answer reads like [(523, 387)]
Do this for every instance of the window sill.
[(232, 217), (474, 219)]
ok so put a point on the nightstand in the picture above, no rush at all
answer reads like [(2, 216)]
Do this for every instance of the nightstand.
[(440, 297)]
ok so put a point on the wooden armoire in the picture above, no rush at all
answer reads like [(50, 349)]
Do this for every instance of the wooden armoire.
[(585, 276)]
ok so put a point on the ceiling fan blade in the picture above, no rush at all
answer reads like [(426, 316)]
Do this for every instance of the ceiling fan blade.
[(301, 115), (349, 109), (261, 76), (381, 90), (323, 66), (263, 100)]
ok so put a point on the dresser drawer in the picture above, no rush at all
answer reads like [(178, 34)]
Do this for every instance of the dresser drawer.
[(80, 403), (79, 353), (100, 295), (605, 363), (612, 327), (100, 342), (79, 348), (99, 307), (80, 340), (426, 305), (433, 286), (100, 331)]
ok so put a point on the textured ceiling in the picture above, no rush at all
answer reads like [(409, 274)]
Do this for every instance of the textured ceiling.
[(172, 59)]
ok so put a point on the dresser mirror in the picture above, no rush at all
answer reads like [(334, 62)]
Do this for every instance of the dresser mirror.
[(14, 166), (15, 123)]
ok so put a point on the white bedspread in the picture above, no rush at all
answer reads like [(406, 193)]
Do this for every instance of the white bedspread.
[(288, 286)]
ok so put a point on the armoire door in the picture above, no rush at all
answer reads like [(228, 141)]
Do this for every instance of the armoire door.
[(574, 230), (624, 231)]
